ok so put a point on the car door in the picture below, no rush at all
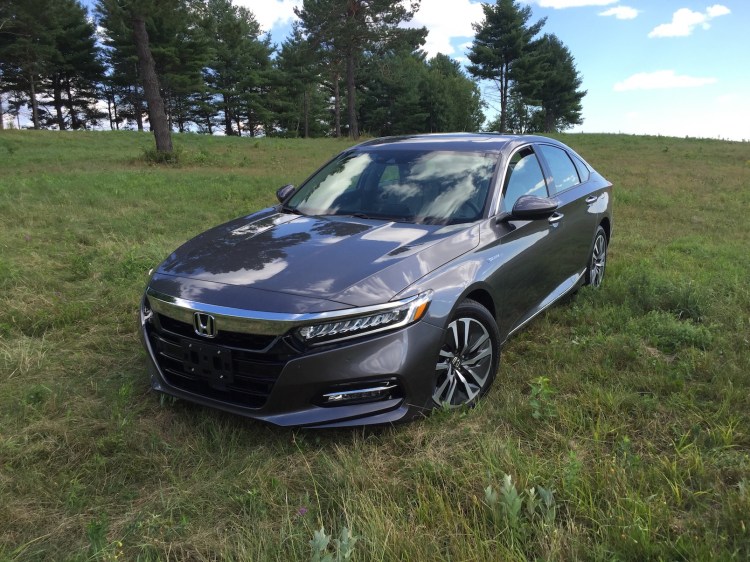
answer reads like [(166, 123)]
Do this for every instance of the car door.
[(575, 226), (522, 249)]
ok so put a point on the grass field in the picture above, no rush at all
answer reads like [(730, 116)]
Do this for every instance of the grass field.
[(617, 429)]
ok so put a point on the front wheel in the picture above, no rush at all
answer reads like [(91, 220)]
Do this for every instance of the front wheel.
[(598, 259), (469, 357)]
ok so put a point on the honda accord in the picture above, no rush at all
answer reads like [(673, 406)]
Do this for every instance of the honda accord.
[(383, 286)]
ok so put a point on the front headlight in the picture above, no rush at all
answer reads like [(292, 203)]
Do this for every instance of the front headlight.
[(390, 316)]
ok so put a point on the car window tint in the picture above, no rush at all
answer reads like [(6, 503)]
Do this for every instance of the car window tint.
[(524, 177), (428, 186), (564, 173), (583, 170), (390, 175)]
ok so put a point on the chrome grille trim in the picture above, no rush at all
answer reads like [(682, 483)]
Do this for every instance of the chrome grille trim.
[(253, 321)]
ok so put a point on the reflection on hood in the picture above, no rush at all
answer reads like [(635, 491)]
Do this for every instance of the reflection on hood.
[(318, 257)]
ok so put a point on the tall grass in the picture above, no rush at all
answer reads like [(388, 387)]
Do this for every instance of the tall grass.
[(617, 428)]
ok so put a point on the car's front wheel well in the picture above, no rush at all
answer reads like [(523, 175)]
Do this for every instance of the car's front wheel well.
[(483, 297), (607, 227)]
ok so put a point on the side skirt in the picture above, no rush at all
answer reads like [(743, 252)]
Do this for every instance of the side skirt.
[(567, 286)]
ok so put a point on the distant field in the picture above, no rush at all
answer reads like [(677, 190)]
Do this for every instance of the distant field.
[(626, 410)]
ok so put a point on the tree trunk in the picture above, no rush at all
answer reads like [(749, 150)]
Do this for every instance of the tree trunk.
[(549, 121), (137, 108), (504, 100), (351, 100), (57, 100), (227, 117), (2, 114), (109, 110), (34, 105), (156, 115), (336, 106), (306, 111), (208, 124), (75, 123)]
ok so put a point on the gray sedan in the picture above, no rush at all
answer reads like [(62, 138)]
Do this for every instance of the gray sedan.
[(384, 286)]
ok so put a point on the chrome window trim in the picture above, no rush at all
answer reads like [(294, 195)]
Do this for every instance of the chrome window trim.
[(501, 180), (231, 319)]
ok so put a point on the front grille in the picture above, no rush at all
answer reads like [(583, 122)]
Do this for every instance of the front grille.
[(251, 342), (228, 368)]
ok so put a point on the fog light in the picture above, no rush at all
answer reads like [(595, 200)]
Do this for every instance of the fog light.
[(368, 394), (146, 311)]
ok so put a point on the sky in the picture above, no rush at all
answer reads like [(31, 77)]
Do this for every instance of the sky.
[(654, 67)]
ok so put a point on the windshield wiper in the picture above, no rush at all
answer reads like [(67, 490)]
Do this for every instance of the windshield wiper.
[(361, 215)]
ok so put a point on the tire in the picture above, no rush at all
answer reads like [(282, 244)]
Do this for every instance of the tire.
[(597, 260), (469, 357)]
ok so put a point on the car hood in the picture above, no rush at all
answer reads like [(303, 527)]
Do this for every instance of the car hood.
[(347, 260)]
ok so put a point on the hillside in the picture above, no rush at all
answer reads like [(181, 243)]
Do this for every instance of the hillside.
[(625, 409)]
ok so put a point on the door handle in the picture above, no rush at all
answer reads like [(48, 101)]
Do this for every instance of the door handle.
[(591, 199), (557, 217)]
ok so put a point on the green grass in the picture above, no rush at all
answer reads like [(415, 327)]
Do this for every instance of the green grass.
[(624, 409)]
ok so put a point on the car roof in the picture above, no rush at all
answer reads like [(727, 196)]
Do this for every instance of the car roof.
[(470, 142)]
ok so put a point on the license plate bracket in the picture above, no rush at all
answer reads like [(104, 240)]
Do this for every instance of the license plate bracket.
[(206, 361)]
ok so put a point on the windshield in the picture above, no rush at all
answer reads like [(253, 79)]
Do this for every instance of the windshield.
[(402, 185)]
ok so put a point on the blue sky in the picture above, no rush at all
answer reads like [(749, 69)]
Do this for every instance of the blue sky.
[(666, 67)]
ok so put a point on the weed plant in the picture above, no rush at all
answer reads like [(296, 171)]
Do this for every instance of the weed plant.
[(617, 428)]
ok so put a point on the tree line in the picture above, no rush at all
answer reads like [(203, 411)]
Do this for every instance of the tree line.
[(347, 67)]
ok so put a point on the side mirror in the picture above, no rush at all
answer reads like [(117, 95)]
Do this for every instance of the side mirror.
[(531, 207), (283, 193)]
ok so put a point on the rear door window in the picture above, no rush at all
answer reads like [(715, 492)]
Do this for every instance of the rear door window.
[(564, 173)]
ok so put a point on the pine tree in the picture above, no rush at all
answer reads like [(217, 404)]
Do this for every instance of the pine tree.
[(502, 38), (121, 84), (392, 101), (350, 28), (130, 26), (26, 49), (299, 100), (552, 83), (75, 69), (237, 72)]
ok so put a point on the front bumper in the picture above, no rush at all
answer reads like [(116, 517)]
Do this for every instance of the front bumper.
[(405, 356)]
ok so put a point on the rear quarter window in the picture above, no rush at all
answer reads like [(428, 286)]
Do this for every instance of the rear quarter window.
[(583, 170)]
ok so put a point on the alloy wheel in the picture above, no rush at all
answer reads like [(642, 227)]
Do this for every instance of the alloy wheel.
[(466, 363), (598, 260)]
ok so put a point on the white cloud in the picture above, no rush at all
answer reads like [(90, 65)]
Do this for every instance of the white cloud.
[(621, 12), (444, 24), (271, 13), (717, 10), (684, 21), (562, 4), (660, 80)]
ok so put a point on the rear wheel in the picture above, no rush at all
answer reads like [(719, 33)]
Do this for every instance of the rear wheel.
[(598, 259), (469, 357)]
